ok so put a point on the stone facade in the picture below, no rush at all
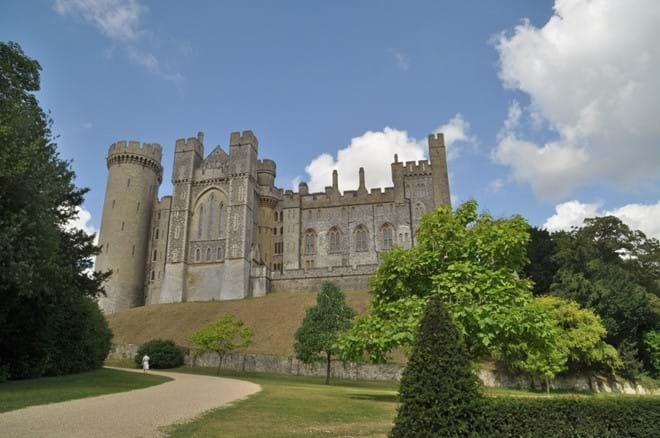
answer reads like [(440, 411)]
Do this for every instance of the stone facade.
[(227, 232)]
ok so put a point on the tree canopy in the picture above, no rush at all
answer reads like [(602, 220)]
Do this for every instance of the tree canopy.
[(47, 291), (316, 338), (222, 337)]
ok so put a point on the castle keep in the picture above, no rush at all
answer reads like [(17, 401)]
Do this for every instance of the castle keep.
[(227, 232)]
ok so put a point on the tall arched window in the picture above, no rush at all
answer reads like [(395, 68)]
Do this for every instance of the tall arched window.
[(208, 254), (197, 254), (155, 255), (211, 217), (334, 245), (361, 238), (310, 242), (200, 222), (220, 221), (388, 236)]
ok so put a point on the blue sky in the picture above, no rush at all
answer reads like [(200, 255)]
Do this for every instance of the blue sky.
[(551, 113)]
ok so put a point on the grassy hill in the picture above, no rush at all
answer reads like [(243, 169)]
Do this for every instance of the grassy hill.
[(273, 318)]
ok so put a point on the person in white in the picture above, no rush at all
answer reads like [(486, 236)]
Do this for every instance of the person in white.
[(145, 363)]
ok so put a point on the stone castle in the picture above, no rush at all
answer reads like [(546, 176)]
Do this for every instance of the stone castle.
[(227, 232)]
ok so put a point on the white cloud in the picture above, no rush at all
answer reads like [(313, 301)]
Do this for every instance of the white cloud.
[(374, 150), (401, 59), (642, 217), (82, 222), (591, 73), (496, 185), (117, 19), (456, 131)]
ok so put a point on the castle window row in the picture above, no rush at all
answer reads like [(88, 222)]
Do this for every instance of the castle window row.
[(210, 254), (360, 239)]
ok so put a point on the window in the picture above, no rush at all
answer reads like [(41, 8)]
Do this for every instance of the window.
[(279, 246), (387, 236), (137, 209), (208, 254), (128, 183), (113, 203), (281, 230), (220, 253), (275, 231), (122, 226), (333, 239), (361, 243), (133, 250), (157, 232), (276, 216), (310, 242), (197, 254), (200, 222), (155, 255), (211, 217), (220, 220), (153, 273)]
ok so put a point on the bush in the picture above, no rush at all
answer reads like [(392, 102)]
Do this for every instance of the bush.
[(79, 337), (440, 394), (574, 417), (162, 354)]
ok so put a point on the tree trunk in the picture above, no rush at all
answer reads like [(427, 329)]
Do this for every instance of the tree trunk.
[(327, 370), (547, 385), (220, 358)]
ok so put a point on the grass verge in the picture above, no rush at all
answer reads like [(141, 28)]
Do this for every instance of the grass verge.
[(290, 406), (19, 394)]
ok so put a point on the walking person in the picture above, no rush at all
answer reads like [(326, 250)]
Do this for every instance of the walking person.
[(145, 363)]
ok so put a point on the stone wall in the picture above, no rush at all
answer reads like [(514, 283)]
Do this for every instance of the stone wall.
[(490, 376), (300, 280)]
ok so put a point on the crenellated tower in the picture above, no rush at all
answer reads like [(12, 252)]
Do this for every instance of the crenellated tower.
[(438, 156), (134, 176)]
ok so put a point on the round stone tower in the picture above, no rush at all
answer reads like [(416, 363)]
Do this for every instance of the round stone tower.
[(134, 176)]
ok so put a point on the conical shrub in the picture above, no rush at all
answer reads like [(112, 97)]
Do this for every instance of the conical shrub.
[(440, 395)]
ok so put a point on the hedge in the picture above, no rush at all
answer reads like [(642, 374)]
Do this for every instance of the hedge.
[(570, 417)]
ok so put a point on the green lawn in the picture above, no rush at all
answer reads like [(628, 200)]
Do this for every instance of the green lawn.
[(290, 406), (22, 393)]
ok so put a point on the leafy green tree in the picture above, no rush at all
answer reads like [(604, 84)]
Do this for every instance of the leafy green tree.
[(440, 394), (579, 341), (472, 261), (44, 267), (652, 341), (316, 339), (606, 267), (222, 337), (541, 268)]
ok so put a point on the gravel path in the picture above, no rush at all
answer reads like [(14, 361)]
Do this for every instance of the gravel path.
[(137, 413)]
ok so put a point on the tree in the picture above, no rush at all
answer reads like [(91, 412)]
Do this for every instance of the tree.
[(579, 341), (44, 267), (163, 353), (222, 337), (317, 336), (615, 271), (541, 268), (472, 261), (652, 341), (440, 394)]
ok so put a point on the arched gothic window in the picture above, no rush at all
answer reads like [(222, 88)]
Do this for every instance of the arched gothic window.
[(310, 242), (211, 206), (208, 254), (155, 255), (388, 236), (334, 245), (361, 236), (220, 221), (198, 254), (200, 223)]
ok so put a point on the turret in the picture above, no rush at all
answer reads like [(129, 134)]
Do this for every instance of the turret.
[(266, 172), (440, 177), (134, 176)]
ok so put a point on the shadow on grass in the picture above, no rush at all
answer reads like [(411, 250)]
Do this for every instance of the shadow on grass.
[(386, 398)]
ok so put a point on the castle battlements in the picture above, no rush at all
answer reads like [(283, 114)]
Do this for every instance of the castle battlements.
[(191, 144), (148, 150), (246, 138)]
